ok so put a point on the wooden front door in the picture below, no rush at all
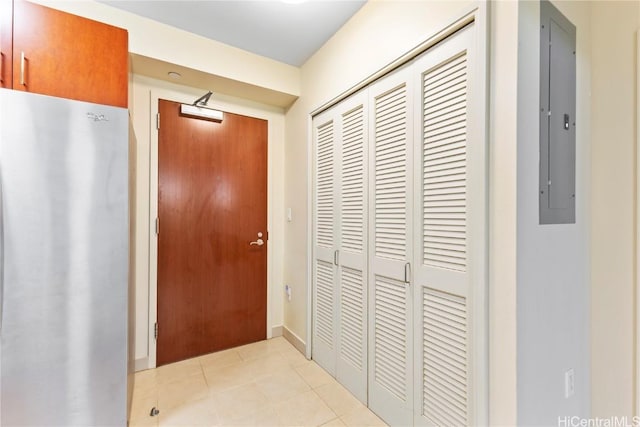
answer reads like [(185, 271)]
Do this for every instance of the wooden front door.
[(212, 203)]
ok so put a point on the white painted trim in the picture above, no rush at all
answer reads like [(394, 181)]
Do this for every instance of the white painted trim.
[(480, 404), (153, 241), (295, 340), (276, 331), (637, 248), (227, 104), (310, 254), (141, 364)]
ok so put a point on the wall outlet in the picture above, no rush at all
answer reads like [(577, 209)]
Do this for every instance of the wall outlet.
[(287, 290), (569, 383)]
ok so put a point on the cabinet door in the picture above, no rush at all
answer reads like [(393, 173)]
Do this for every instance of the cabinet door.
[(6, 28), (390, 248), (63, 55)]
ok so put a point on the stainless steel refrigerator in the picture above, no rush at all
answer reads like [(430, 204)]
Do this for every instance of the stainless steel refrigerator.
[(64, 182)]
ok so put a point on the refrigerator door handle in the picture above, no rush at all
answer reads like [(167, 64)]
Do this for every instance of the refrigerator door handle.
[(1, 255)]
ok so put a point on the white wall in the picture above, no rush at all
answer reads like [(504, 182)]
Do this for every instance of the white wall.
[(552, 260), (143, 89), (613, 28)]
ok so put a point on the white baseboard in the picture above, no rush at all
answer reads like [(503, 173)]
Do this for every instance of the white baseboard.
[(294, 340), (141, 364), (276, 331)]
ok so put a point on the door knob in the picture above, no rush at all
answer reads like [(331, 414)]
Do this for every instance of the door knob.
[(258, 242)]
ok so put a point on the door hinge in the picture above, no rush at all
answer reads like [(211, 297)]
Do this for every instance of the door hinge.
[(155, 331), (157, 226), (158, 121)]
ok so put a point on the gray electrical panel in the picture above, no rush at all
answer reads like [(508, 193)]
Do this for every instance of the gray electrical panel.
[(557, 117)]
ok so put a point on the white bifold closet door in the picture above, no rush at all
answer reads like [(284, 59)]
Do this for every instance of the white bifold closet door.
[(326, 228), (449, 225), (351, 369), (390, 247), (340, 286), (399, 238)]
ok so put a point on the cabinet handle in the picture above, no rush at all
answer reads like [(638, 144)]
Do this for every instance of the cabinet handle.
[(22, 61), (1, 260), (407, 273), (336, 257), (1, 67)]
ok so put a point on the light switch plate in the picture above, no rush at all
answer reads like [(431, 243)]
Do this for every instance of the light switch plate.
[(569, 383)]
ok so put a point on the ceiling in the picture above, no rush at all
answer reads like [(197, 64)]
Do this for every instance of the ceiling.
[(289, 31)]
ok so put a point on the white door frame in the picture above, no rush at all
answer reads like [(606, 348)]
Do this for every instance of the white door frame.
[(637, 248), (479, 14), (274, 133)]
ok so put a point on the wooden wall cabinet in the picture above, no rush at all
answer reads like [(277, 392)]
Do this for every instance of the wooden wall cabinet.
[(64, 55), (6, 28)]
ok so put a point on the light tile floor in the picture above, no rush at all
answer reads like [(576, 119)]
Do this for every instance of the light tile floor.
[(268, 383)]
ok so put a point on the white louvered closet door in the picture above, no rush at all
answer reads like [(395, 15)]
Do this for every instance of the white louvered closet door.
[(351, 370), (325, 228), (449, 189), (390, 248)]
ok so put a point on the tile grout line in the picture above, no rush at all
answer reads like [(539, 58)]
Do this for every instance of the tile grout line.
[(291, 363)]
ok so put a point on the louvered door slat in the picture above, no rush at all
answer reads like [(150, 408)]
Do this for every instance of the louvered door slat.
[(324, 302), (445, 352), (452, 167), (352, 312), (390, 173), (353, 180), (324, 185), (391, 127), (390, 335), (325, 241), (442, 279), (351, 368)]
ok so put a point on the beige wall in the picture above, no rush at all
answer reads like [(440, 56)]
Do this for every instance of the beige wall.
[(613, 29)]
